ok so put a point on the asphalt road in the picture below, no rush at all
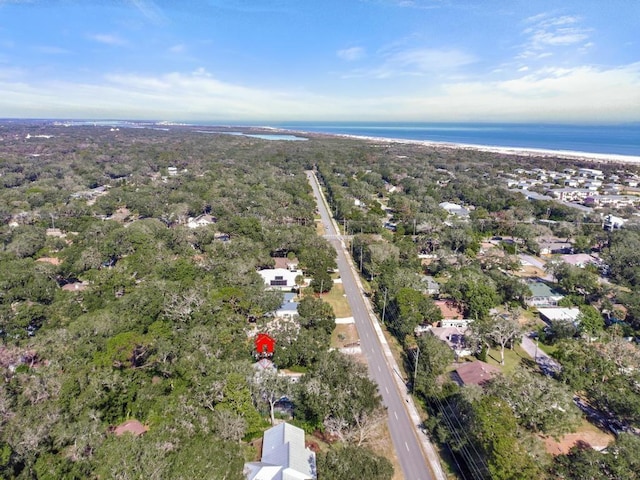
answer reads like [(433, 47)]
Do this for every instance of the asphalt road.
[(404, 432)]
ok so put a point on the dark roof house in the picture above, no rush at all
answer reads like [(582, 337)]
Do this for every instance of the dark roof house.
[(474, 373)]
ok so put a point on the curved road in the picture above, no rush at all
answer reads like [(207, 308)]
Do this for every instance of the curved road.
[(402, 421)]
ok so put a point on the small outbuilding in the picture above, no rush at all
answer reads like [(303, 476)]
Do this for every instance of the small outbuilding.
[(133, 427)]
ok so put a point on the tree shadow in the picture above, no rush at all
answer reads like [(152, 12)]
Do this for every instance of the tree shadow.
[(494, 358), (529, 363)]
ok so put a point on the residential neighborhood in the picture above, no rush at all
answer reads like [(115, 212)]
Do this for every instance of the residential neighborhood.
[(170, 313)]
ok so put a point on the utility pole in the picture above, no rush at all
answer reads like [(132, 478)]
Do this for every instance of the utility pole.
[(361, 258), (415, 366), (384, 304)]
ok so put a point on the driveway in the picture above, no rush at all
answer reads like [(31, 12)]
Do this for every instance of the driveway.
[(547, 364), (535, 262)]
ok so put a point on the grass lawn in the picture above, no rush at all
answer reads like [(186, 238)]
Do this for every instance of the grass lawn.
[(337, 299), (548, 349), (512, 358)]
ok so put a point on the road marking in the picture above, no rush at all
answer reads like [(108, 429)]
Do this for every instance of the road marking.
[(405, 444), (396, 414), (378, 367)]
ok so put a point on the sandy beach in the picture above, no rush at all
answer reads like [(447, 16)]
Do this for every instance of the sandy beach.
[(527, 152)]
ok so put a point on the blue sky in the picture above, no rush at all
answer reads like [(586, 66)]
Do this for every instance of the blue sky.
[(359, 60)]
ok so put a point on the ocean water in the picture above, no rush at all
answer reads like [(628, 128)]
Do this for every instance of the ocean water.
[(602, 139)]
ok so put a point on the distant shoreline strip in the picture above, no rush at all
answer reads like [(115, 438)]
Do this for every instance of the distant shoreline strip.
[(519, 151)]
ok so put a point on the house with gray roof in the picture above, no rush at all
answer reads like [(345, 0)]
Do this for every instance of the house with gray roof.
[(284, 456), (455, 209), (429, 285), (289, 307)]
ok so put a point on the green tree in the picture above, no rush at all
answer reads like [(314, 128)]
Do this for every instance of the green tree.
[(316, 314), (406, 311), (321, 282), (336, 387), (434, 357), (475, 290), (267, 387), (538, 402), (236, 397), (342, 462), (494, 428), (590, 322)]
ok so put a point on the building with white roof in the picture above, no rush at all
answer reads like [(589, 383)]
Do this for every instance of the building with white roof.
[(284, 456), (280, 278), (558, 314)]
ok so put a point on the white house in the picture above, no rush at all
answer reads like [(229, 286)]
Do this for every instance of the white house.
[(611, 222), (590, 173), (454, 209), (560, 314), (455, 322), (284, 456), (200, 221), (454, 337), (280, 278)]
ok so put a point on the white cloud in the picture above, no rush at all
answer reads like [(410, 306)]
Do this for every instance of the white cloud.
[(150, 11), (430, 59), (398, 62), (108, 39), (351, 54), (178, 48), (551, 94), (575, 94), (196, 95), (546, 33)]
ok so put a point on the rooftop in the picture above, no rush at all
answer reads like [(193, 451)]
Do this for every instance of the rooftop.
[(475, 373), (540, 289)]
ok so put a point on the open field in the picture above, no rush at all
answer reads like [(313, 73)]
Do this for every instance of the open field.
[(586, 432), (344, 335), (337, 299)]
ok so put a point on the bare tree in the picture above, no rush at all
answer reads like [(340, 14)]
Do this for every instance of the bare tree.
[(504, 330), (358, 428), (229, 426), (267, 387)]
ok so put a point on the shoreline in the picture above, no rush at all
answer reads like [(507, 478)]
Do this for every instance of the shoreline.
[(516, 151)]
